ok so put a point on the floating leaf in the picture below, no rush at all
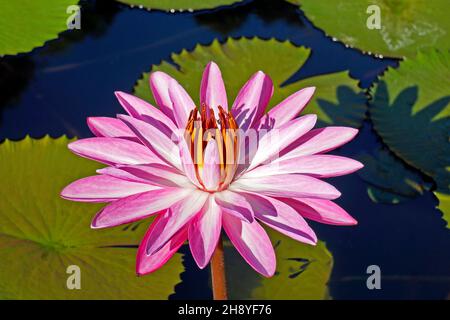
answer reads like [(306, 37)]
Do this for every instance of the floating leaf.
[(302, 272), (405, 25), (26, 24), (41, 235), (410, 111), (338, 99), (390, 181), (444, 206), (179, 5)]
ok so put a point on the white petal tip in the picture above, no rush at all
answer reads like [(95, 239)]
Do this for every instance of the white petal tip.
[(212, 64), (64, 194), (268, 273), (201, 265), (352, 131), (95, 225), (73, 146), (159, 75), (120, 95), (350, 222)]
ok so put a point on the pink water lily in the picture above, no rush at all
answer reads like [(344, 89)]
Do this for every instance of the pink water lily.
[(196, 170)]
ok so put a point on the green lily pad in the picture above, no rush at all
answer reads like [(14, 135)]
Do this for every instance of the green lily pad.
[(42, 235), (338, 99), (410, 111), (302, 272), (389, 180), (26, 24), (444, 206), (179, 5), (405, 25)]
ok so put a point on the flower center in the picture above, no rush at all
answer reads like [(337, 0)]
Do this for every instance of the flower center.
[(203, 127)]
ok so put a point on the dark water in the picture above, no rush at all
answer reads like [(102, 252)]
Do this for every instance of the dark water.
[(53, 89)]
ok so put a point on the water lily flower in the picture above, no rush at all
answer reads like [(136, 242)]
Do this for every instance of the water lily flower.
[(197, 171)]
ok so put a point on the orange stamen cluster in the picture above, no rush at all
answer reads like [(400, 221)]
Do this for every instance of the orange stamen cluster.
[(201, 128)]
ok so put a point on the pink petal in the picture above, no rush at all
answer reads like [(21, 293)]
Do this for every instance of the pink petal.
[(235, 204), (287, 185), (319, 166), (159, 84), (211, 169), (186, 162), (174, 219), (155, 140), (113, 151), (281, 217), (109, 127), (319, 141), (287, 110), (116, 172), (142, 110), (182, 103), (102, 189), (252, 242), (252, 100), (155, 174), (149, 263), (323, 211), (212, 89), (204, 232), (138, 206), (272, 143)]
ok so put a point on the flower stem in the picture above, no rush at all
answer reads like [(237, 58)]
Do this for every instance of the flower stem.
[(219, 285)]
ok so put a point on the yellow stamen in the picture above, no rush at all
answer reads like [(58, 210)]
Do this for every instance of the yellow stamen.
[(203, 127)]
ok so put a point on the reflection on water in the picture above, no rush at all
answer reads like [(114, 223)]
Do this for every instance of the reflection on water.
[(96, 18), (233, 18), (75, 77), (15, 73)]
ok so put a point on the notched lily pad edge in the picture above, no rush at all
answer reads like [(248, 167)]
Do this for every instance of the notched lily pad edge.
[(235, 4), (39, 44), (304, 16), (170, 61)]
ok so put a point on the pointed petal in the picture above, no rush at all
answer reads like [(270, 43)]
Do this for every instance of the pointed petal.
[(204, 232), (149, 263), (272, 143), (287, 110), (252, 100), (116, 172), (155, 174), (149, 135), (113, 151), (211, 169), (182, 103), (235, 204), (212, 88), (176, 217), (320, 210), (281, 217), (102, 189), (142, 110), (159, 84), (138, 206), (252, 242), (109, 127), (287, 185), (319, 141), (319, 166), (186, 162)]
